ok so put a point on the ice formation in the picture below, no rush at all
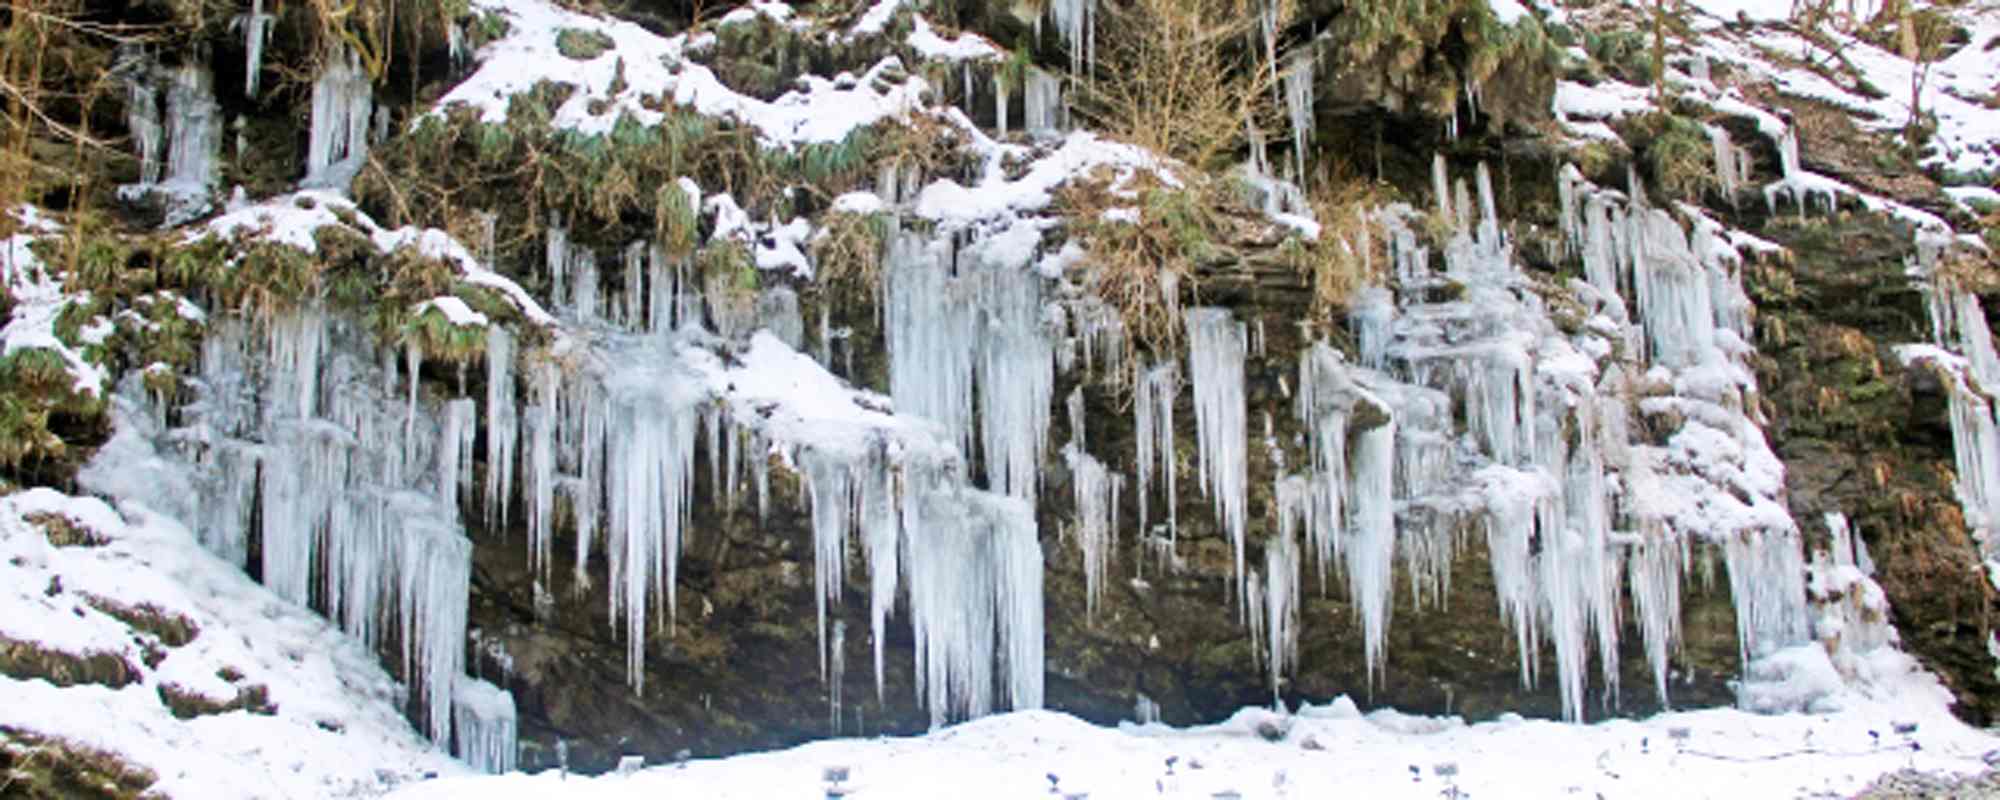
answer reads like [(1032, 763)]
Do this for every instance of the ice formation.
[(177, 152), (943, 330), (343, 102), (1215, 369), (1299, 108), (975, 573), (1043, 104), (1574, 509), (256, 26), (1096, 489), (1076, 23), (485, 732), (1962, 353), (357, 497), (1153, 418)]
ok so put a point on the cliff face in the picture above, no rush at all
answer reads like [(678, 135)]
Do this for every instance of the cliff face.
[(722, 388)]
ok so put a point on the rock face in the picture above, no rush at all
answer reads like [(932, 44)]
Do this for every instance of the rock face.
[(1502, 347)]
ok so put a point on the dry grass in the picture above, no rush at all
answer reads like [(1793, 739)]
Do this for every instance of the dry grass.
[(847, 255), (1142, 268), (1175, 76), (1351, 252)]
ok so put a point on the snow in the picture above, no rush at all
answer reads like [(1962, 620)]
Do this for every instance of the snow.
[(645, 67), (933, 47), (454, 310), (1967, 139), (1322, 752), (336, 730), (294, 219)]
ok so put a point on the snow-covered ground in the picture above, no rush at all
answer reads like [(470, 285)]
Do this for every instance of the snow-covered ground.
[(1325, 751), (335, 730)]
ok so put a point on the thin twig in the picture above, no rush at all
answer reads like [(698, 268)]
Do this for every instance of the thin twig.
[(64, 130), (120, 33)]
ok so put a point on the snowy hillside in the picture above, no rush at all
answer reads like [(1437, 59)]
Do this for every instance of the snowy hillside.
[(121, 634)]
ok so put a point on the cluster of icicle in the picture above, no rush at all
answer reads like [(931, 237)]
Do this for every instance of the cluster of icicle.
[(178, 146), (613, 434), (1575, 510), (308, 439)]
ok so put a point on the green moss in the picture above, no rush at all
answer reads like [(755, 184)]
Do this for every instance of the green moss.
[(582, 45), (1677, 155)]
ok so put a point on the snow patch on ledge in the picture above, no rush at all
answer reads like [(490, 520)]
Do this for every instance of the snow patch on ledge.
[(295, 219)]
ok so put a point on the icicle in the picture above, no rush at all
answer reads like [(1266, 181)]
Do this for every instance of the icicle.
[(999, 108), (1658, 564), (342, 105), (1074, 403), (1096, 490), (1076, 22), (1043, 115), (484, 717), (648, 441), (256, 26), (454, 462), (1767, 584), (541, 467), (1281, 609), (1299, 106), (1324, 400), (1369, 555), (1725, 160), (142, 116), (583, 295), (839, 675), (196, 122), (930, 338), (975, 584), (881, 538), (503, 426), (830, 485), (1016, 368), (634, 298), (1215, 367), (1441, 187), (1153, 413)]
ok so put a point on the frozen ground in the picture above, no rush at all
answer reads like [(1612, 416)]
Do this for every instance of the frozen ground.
[(1326, 751)]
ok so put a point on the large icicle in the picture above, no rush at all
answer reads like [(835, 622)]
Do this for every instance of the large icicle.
[(342, 106), (929, 337), (1368, 556), (503, 427), (648, 441), (1153, 414), (1016, 367), (975, 601), (256, 27), (1215, 368), (1096, 491)]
